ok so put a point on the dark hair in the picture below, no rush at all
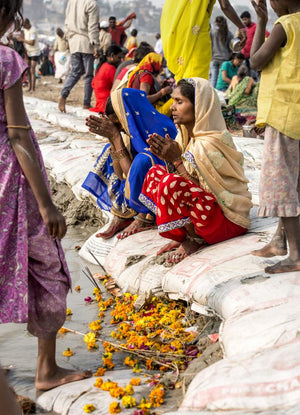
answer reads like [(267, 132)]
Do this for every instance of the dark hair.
[(187, 89), (223, 32), (112, 18), (12, 7), (109, 109), (238, 55), (60, 32), (112, 50), (134, 32), (142, 51), (245, 14), (242, 72), (26, 21)]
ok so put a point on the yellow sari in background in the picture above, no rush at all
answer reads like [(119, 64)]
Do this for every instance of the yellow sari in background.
[(185, 37)]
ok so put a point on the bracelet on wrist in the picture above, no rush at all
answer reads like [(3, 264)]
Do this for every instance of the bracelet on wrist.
[(119, 155), (177, 163)]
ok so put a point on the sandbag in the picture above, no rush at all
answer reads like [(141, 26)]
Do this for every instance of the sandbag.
[(267, 382)]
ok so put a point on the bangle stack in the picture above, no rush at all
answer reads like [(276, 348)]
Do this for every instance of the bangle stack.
[(119, 155)]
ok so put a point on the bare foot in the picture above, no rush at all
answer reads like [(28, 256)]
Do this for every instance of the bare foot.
[(116, 225), (277, 247), (287, 265), (187, 247), (62, 104), (138, 225), (169, 247), (58, 377)]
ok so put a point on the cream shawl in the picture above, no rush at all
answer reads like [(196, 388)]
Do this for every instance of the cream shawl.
[(211, 156)]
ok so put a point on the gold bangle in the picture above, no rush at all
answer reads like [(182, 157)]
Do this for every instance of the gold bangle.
[(177, 163), (20, 127), (120, 154)]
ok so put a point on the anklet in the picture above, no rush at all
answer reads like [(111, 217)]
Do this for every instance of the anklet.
[(20, 127), (148, 221)]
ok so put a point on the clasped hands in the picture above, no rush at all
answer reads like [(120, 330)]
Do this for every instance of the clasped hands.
[(102, 125), (164, 148)]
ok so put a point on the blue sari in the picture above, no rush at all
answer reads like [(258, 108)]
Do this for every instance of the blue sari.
[(139, 119)]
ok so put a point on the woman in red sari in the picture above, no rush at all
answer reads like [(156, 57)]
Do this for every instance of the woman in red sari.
[(104, 78), (203, 197)]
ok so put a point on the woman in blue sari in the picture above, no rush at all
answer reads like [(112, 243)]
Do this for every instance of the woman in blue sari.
[(118, 175)]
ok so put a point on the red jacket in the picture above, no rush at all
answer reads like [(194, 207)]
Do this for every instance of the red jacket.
[(250, 35)]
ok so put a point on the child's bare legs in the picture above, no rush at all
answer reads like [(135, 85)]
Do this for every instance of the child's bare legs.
[(48, 374), (292, 263), (277, 246)]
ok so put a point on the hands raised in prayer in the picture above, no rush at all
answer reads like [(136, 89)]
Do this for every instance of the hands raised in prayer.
[(164, 148), (103, 126), (260, 6)]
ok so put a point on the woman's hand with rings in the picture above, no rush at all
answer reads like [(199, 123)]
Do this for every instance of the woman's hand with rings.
[(164, 148), (101, 125)]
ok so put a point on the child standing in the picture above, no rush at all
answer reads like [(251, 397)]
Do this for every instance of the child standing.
[(34, 278), (278, 109)]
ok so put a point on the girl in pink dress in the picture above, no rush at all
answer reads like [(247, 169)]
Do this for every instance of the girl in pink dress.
[(34, 278)]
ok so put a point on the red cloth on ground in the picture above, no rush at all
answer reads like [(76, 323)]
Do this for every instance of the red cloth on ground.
[(177, 201), (102, 84)]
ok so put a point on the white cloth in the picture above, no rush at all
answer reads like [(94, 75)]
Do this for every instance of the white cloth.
[(158, 48), (62, 64), (31, 34)]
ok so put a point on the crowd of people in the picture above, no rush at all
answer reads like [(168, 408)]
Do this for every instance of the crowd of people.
[(170, 161)]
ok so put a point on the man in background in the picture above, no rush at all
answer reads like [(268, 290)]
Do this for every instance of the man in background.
[(82, 32)]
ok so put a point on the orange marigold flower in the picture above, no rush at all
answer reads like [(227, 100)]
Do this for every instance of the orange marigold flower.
[(135, 381), (114, 408), (106, 386), (130, 361), (108, 363), (156, 396), (68, 352), (98, 382), (100, 371), (117, 392), (62, 330), (77, 288), (95, 325)]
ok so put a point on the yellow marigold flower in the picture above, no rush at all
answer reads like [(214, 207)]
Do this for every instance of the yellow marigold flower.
[(117, 392), (136, 368), (68, 312), (128, 402), (101, 315), (77, 288), (100, 371), (98, 382), (129, 390), (135, 381), (62, 330), (95, 325), (114, 408), (90, 340), (113, 334), (145, 404), (130, 361), (96, 291), (68, 352), (106, 386), (89, 408), (108, 347)]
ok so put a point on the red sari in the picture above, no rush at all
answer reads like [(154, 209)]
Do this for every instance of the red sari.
[(177, 201), (102, 84)]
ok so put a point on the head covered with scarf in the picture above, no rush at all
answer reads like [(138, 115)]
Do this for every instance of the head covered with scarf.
[(211, 156), (151, 63)]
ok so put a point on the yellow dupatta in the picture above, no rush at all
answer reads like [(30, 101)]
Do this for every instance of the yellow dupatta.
[(211, 156), (185, 36)]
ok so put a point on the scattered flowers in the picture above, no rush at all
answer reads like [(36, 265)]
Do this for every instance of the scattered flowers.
[(98, 383), (68, 312), (68, 352), (63, 330), (129, 390), (135, 381), (100, 371), (128, 402), (114, 408), (88, 300), (89, 408), (95, 325), (77, 288), (90, 340)]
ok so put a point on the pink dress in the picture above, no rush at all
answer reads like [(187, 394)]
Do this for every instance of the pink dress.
[(34, 278)]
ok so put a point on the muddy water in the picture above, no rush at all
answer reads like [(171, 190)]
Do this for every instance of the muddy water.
[(19, 349)]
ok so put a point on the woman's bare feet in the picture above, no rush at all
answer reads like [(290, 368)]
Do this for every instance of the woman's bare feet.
[(139, 224), (277, 247), (187, 247), (116, 225), (287, 265), (49, 379), (169, 247)]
